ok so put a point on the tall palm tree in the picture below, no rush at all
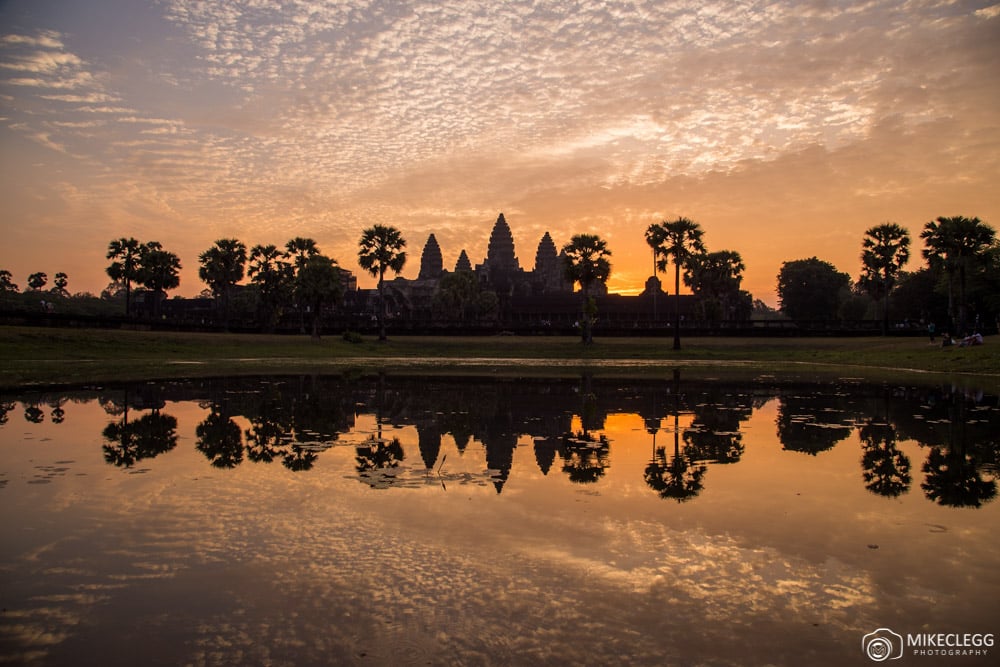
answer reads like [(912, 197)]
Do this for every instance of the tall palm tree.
[(953, 244), (654, 239), (273, 278), (379, 250), (300, 249), (885, 249), (222, 268), (586, 262), (678, 241), (127, 253)]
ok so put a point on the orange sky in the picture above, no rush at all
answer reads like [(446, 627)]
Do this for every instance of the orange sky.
[(785, 128)]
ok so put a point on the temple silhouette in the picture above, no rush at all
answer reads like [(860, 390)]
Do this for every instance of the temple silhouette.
[(500, 293), (497, 295)]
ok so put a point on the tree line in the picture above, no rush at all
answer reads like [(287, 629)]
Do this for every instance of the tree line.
[(958, 290), (959, 287)]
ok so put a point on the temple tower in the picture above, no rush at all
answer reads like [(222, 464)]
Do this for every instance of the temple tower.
[(463, 263), (431, 263), (548, 269), (503, 273), (500, 257)]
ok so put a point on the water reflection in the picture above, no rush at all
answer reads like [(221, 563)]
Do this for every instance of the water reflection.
[(293, 420), (814, 422), (130, 442), (378, 460), (886, 470), (681, 477)]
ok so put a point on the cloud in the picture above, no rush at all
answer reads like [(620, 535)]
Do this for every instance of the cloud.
[(320, 118), (45, 38)]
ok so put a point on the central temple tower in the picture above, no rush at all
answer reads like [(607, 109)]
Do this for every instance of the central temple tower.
[(500, 256)]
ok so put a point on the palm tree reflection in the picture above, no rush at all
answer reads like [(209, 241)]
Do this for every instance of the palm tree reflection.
[(220, 439), (266, 439), (33, 414), (954, 473), (295, 421), (377, 459), (130, 442), (885, 469), (679, 478), (585, 457), (298, 458), (954, 479)]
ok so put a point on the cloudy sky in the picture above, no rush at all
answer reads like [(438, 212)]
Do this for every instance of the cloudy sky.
[(786, 128)]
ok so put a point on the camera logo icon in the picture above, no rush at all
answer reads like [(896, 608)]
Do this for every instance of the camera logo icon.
[(882, 644)]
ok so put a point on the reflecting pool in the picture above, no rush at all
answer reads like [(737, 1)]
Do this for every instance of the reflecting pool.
[(350, 519)]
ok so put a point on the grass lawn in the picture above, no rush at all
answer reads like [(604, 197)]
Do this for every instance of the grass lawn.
[(33, 356)]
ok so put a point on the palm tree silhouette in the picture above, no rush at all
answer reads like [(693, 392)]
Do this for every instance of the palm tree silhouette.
[(885, 250), (676, 241), (586, 262), (379, 250)]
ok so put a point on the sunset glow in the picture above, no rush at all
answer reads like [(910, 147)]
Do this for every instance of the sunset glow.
[(786, 129)]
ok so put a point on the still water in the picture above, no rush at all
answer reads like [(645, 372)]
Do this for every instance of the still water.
[(412, 520)]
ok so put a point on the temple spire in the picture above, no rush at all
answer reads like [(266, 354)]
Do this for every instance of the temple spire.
[(431, 263), (548, 269), (500, 257)]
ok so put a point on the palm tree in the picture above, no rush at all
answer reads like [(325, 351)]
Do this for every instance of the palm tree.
[(60, 283), (586, 262), (885, 249), (654, 238), (127, 253), (159, 271), (953, 244), (715, 278), (273, 277), (36, 281), (318, 283), (300, 249), (379, 250), (677, 242), (7, 283), (222, 267)]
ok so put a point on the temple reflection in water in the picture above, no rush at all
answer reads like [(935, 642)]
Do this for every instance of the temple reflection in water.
[(397, 427)]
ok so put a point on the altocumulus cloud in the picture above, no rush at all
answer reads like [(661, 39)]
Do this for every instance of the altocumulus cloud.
[(264, 120)]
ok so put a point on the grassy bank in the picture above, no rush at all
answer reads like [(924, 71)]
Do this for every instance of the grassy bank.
[(31, 356)]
